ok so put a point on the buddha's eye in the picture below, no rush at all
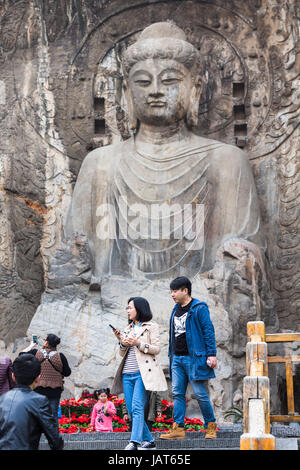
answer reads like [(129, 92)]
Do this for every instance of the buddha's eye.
[(171, 80), (143, 83)]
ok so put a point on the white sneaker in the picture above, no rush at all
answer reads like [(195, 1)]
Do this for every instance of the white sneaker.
[(131, 446), (146, 445)]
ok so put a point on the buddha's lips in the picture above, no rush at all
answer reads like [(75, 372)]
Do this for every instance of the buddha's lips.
[(159, 104)]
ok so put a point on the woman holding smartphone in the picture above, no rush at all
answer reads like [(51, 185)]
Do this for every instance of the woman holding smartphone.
[(139, 370)]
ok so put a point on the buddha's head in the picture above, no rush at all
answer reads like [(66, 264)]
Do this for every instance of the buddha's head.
[(162, 77)]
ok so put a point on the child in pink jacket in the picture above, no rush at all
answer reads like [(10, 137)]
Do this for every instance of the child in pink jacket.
[(103, 412)]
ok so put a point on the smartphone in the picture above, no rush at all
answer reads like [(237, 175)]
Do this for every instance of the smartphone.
[(34, 339), (112, 327)]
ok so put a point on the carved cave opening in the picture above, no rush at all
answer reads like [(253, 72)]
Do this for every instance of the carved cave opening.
[(238, 89), (100, 127), (99, 104), (239, 112)]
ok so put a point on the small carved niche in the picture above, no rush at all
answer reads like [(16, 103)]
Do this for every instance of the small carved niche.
[(238, 89), (99, 113), (100, 126), (240, 130), (239, 114), (99, 105)]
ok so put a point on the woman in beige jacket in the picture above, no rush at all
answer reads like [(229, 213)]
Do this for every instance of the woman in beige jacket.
[(139, 369)]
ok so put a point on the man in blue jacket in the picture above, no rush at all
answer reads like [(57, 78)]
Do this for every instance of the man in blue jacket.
[(192, 353)]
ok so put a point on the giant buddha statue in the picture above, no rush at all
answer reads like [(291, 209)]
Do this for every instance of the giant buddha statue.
[(161, 203)]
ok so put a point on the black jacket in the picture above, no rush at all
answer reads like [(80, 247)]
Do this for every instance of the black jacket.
[(24, 416)]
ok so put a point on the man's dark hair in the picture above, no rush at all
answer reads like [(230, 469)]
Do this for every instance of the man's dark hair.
[(26, 369), (143, 310), (53, 340), (181, 283)]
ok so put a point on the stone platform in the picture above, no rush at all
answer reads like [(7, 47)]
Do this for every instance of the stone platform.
[(228, 438)]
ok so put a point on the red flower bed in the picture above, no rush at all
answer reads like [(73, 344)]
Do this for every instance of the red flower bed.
[(190, 424), (76, 416)]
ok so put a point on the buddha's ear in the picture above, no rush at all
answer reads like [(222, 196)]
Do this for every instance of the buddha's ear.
[(192, 114), (132, 119)]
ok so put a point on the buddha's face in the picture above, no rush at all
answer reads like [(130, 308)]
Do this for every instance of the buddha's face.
[(160, 90)]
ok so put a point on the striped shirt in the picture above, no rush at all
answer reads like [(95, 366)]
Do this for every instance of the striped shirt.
[(130, 364)]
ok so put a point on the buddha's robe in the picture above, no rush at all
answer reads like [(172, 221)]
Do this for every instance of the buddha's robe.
[(155, 211)]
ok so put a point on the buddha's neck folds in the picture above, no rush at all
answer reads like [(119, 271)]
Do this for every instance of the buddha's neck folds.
[(158, 135)]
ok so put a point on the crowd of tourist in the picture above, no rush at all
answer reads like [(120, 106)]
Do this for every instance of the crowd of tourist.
[(31, 385)]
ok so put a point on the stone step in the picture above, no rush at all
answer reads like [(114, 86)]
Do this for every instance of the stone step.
[(281, 430), (175, 445), (187, 444), (228, 438)]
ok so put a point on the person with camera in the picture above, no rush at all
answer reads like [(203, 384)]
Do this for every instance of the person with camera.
[(54, 367), (139, 370)]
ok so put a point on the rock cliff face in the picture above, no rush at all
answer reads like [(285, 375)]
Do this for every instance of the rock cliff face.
[(61, 95)]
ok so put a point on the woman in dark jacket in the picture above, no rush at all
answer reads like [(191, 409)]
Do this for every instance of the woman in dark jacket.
[(54, 367)]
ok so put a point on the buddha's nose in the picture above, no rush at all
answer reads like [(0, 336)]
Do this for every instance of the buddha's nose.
[(156, 89)]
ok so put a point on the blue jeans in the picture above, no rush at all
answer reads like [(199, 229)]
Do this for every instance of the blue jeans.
[(135, 398), (180, 379)]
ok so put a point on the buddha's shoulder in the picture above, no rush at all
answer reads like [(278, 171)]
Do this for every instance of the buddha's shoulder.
[(104, 157), (221, 151)]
